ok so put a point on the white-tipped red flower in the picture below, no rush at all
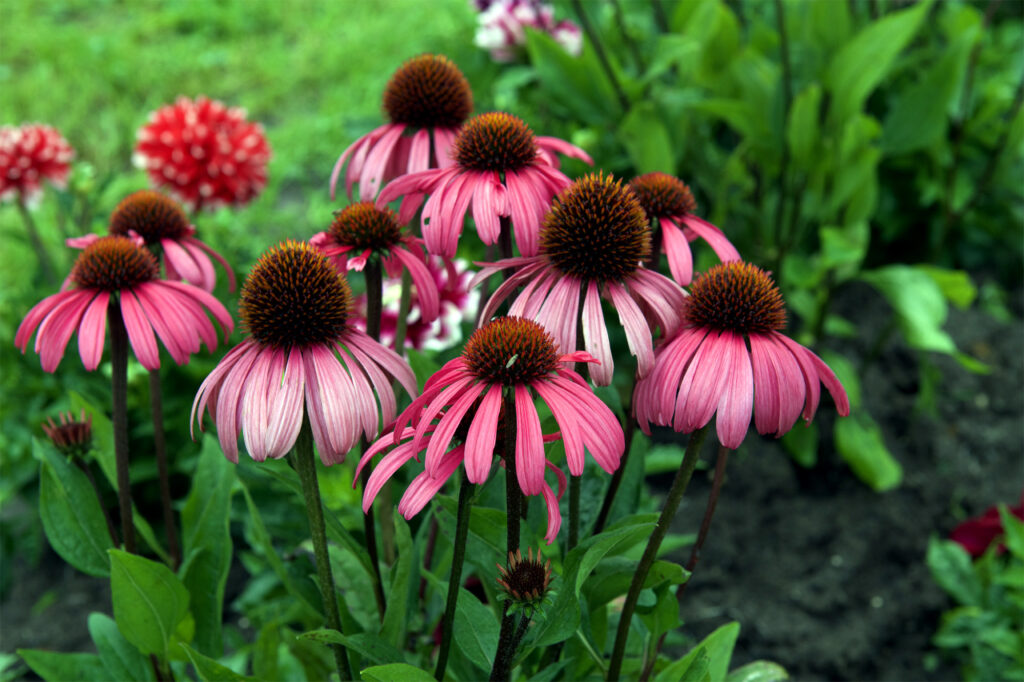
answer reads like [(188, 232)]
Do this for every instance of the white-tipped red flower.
[(117, 270), (593, 242), (426, 101), (203, 153), (301, 359), (30, 154), (667, 200), (502, 24), (707, 368), (501, 170), (503, 364)]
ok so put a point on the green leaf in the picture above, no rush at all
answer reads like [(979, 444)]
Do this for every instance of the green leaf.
[(614, 575), (951, 567), (150, 603), (53, 666), (859, 440), (758, 671), (801, 442), (693, 667), (646, 139), (370, 647), (717, 647), (955, 285), (210, 670), (395, 672), (1013, 528), (70, 512), (862, 63), (919, 304), (612, 541), (662, 458), (577, 84), (423, 365), (205, 520), (393, 627), (121, 660), (803, 132), (476, 630), (843, 248), (485, 525)]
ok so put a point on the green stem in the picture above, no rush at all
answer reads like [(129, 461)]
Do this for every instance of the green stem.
[(404, 304), (119, 419), (629, 429), (675, 496), (709, 511), (787, 91), (606, 66), (305, 466), (574, 512), (458, 559), (45, 264), (160, 450), (503, 657)]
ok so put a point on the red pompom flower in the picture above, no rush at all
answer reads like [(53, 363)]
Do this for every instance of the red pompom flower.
[(30, 154), (204, 153)]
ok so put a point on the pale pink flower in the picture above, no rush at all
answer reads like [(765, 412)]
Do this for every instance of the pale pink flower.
[(30, 154), (162, 225), (301, 359), (362, 231), (708, 368), (116, 270), (667, 200), (501, 170), (502, 24), (519, 358), (426, 101), (592, 245)]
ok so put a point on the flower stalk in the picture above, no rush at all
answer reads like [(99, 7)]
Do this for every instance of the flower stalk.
[(303, 461), (506, 637), (455, 580), (675, 496), (160, 450), (43, 256), (119, 419)]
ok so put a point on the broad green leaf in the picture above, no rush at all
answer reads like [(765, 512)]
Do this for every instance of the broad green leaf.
[(122, 660), (578, 84), (718, 648), (956, 285), (54, 666), (662, 458), (393, 627), (476, 630), (663, 615), (485, 525), (919, 304), (758, 671), (370, 647), (632, 485), (150, 603), (951, 567), (647, 141), (859, 440), (266, 663), (210, 670), (801, 442), (205, 520), (613, 575), (803, 132), (863, 62), (395, 672), (693, 667), (671, 51), (1013, 530), (70, 512), (612, 541), (843, 248)]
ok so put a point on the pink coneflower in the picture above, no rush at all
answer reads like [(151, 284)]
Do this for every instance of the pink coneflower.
[(516, 357), (426, 101), (502, 24), (708, 368), (591, 246), (205, 154), (300, 351), (667, 200), (116, 270), (163, 226), (29, 154), (362, 231), (501, 169)]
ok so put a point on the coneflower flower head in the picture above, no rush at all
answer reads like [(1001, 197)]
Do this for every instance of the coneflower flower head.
[(730, 358), (122, 268), (668, 200), (363, 226), (526, 582), (592, 244), (495, 141), (425, 101), (301, 358), (72, 436), (161, 222), (510, 351)]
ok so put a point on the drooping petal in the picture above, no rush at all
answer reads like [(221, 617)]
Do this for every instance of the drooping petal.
[(329, 394), (217, 257), (56, 330), (486, 208), (93, 330), (211, 384), (373, 173), (419, 151), (389, 360), (702, 385), (424, 487), (41, 310), (140, 331), (638, 333), (448, 424), (385, 469), (565, 417), (256, 399), (595, 337), (737, 396), (426, 287), (560, 313), (721, 245), (482, 436), (231, 394), (286, 406), (554, 514), (529, 446), (553, 144), (184, 264), (677, 248)]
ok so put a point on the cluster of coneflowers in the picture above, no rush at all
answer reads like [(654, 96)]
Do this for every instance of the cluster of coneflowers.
[(307, 379)]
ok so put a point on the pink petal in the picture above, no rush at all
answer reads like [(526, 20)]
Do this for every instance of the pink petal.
[(448, 424), (419, 151), (377, 159), (389, 360), (424, 487), (677, 248), (231, 394), (554, 514), (554, 144), (737, 397), (93, 330), (385, 469), (286, 407), (702, 385), (482, 436), (184, 264), (56, 330), (560, 313), (529, 446), (217, 257), (261, 388), (329, 394), (712, 235), (41, 310), (595, 337), (565, 417), (140, 331), (486, 208), (426, 286), (638, 334)]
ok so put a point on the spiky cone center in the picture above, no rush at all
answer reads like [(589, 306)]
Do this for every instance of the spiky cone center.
[(152, 215), (113, 263), (511, 351), (294, 297), (364, 226), (663, 195), (738, 297), (71, 436), (428, 91), (525, 580), (495, 141), (596, 230)]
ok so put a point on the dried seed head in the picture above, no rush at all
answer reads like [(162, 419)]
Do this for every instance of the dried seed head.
[(113, 263), (738, 297), (428, 91), (72, 436), (152, 215), (525, 581), (294, 297), (510, 351), (495, 142)]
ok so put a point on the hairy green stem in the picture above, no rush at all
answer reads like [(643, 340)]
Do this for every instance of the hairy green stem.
[(119, 419), (304, 462), (455, 580), (675, 496)]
